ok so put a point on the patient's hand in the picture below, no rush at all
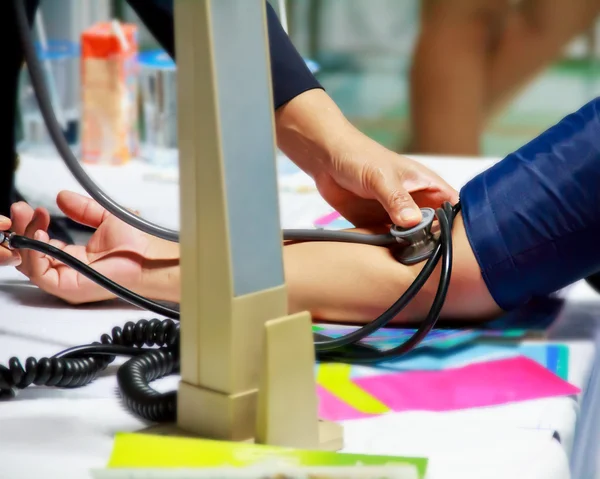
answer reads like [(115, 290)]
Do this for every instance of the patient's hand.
[(116, 250)]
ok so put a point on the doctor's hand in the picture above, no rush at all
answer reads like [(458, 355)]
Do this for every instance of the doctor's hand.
[(372, 186), (115, 250), (8, 257), (364, 181)]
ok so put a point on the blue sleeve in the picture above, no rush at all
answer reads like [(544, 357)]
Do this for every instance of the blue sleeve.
[(533, 219), (290, 75)]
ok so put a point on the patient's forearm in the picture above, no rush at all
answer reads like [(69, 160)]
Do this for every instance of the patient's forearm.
[(355, 283)]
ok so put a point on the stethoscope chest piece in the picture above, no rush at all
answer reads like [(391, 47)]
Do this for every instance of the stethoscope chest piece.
[(416, 244), (5, 237)]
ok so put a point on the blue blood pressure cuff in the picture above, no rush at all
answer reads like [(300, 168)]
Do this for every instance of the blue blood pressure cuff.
[(533, 219)]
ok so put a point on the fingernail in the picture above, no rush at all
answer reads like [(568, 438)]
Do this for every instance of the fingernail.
[(409, 214), (38, 235)]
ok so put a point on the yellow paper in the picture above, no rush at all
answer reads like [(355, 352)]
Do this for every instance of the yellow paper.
[(336, 379), (144, 451)]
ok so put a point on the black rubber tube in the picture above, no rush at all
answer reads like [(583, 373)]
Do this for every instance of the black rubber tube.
[(339, 237)]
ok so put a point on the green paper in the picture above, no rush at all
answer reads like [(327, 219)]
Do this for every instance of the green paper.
[(148, 451)]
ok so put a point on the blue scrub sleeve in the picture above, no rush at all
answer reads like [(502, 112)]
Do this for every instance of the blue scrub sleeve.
[(290, 75), (533, 219)]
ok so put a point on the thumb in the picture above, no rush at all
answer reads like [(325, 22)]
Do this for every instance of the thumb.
[(397, 201), (5, 223)]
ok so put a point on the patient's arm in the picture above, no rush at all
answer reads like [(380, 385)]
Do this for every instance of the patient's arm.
[(355, 283), (334, 281)]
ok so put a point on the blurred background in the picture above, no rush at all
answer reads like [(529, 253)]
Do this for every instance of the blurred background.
[(419, 76), (366, 50)]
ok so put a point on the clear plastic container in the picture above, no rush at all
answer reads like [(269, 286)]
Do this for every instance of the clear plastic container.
[(312, 65), (60, 63), (158, 77)]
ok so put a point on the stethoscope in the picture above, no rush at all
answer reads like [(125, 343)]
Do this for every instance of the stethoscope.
[(80, 365)]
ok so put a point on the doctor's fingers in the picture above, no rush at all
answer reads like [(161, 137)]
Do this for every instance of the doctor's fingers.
[(8, 257)]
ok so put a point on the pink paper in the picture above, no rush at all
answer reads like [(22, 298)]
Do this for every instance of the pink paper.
[(325, 220), (476, 385), (333, 409)]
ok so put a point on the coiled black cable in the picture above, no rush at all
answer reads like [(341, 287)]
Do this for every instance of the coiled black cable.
[(76, 367), (134, 379)]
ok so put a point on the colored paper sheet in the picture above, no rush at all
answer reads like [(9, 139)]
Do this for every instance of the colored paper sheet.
[(438, 359), (327, 219), (334, 409), (333, 221), (335, 378), (340, 224), (554, 357), (477, 385), (132, 450), (387, 338), (536, 317)]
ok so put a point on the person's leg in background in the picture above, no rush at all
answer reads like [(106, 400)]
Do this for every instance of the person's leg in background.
[(474, 56), (449, 74), (533, 37)]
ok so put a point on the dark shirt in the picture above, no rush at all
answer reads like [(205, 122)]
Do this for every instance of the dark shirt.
[(290, 75)]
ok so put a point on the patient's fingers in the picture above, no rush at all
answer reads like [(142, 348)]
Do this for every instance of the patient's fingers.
[(38, 263), (40, 221), (57, 244)]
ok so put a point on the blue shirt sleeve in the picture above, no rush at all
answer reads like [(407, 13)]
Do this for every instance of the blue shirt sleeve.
[(289, 72), (533, 219)]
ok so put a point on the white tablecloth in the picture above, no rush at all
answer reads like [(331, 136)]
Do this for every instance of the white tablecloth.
[(63, 433)]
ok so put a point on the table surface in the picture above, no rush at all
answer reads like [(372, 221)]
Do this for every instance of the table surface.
[(64, 433)]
